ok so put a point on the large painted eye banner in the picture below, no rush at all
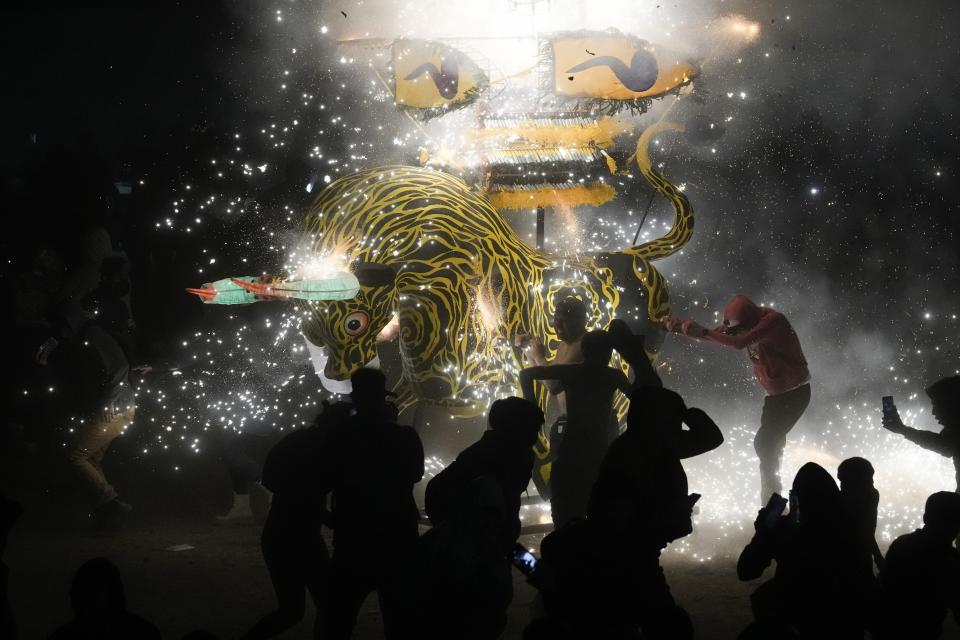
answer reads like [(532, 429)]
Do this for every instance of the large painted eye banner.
[(431, 78), (610, 70)]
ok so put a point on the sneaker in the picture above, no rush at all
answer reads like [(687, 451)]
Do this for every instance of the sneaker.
[(239, 512), (260, 499)]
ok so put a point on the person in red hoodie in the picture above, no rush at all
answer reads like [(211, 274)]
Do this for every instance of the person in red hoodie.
[(778, 365)]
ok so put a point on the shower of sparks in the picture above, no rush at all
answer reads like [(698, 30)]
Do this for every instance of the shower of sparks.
[(253, 368)]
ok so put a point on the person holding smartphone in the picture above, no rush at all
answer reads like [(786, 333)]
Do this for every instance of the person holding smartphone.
[(815, 591), (945, 398), (779, 367)]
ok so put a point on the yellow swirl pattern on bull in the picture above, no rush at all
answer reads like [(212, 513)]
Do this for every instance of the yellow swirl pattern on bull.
[(462, 283)]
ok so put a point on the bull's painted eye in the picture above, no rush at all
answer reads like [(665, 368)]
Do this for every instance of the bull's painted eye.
[(355, 323)]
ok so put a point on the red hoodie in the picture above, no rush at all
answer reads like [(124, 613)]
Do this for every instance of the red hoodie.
[(770, 341)]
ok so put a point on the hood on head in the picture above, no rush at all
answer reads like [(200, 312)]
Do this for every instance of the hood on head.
[(818, 495), (741, 310), (945, 391)]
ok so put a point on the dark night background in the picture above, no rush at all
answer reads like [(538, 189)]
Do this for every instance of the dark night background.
[(860, 107), (833, 194)]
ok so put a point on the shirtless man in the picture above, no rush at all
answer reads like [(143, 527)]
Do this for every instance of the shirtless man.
[(570, 322), (591, 387)]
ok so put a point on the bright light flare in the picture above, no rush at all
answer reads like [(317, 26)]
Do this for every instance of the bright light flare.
[(319, 267), (737, 28)]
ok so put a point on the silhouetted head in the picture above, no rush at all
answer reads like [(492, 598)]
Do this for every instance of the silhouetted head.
[(740, 314), (817, 496), (655, 410), (855, 472), (369, 389), (518, 418), (945, 396), (570, 319), (596, 348), (621, 334), (97, 590), (941, 516)]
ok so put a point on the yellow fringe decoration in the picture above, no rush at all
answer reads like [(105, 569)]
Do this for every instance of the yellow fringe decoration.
[(599, 133), (592, 195)]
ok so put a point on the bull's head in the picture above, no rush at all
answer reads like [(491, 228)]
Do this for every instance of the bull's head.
[(349, 328)]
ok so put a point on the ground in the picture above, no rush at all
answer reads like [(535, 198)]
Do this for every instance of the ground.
[(221, 584)]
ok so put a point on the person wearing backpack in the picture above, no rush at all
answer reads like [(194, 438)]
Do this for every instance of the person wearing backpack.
[(293, 547), (600, 576), (464, 576)]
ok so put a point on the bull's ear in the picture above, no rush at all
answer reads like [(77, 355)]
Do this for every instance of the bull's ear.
[(371, 274)]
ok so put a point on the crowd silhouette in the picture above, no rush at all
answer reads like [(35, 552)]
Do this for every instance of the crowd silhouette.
[(617, 498)]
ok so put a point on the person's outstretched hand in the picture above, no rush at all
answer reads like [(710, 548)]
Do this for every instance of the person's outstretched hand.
[(535, 349), (893, 423), (671, 324), (686, 327), (691, 328)]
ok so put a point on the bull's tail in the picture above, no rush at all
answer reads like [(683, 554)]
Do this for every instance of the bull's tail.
[(682, 228)]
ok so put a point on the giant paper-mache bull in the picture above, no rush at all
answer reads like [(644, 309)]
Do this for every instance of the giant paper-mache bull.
[(436, 261), (461, 283)]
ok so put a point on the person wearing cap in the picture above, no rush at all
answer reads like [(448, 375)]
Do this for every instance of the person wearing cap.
[(779, 366), (504, 453), (945, 398), (371, 464)]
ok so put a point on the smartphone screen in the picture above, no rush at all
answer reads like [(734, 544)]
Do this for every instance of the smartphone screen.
[(888, 406), (524, 560), (774, 509)]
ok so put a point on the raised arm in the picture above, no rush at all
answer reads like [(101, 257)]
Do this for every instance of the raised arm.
[(630, 346), (559, 372), (644, 375), (932, 441), (929, 440), (703, 434)]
